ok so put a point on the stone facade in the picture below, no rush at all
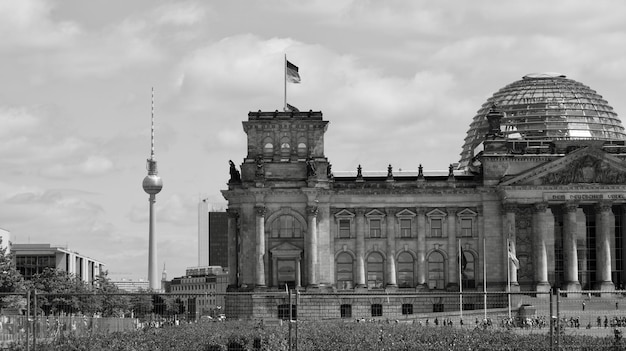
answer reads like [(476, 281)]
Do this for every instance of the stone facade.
[(556, 206)]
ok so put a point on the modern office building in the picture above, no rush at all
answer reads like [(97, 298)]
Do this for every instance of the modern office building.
[(31, 259), (203, 233), (542, 176), (212, 236), (5, 237), (218, 239)]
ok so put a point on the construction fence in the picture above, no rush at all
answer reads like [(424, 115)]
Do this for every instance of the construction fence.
[(32, 317)]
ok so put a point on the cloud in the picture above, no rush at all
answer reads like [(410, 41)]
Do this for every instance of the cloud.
[(36, 140), (27, 24), (179, 14), (174, 209)]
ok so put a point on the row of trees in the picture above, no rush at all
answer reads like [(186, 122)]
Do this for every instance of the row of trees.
[(59, 292)]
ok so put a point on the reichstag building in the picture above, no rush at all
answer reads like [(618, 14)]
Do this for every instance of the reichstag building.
[(542, 175)]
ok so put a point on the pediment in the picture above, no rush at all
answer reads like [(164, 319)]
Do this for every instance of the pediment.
[(375, 214), (436, 213), (467, 213), (286, 250), (406, 213), (589, 165), (344, 213)]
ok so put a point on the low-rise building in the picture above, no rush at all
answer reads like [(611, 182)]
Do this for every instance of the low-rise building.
[(32, 259), (202, 290)]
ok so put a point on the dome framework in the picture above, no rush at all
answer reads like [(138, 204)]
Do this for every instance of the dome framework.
[(546, 106)]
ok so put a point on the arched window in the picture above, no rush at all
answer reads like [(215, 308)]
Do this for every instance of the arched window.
[(375, 271), (285, 147), (286, 226), (302, 150), (468, 273), (268, 149), (436, 271), (405, 270), (345, 268)]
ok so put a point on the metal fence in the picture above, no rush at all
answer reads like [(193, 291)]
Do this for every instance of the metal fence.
[(35, 317)]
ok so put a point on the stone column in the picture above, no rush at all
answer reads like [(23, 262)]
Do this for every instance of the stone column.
[(453, 262), (360, 248), (603, 247), (509, 230), (233, 247), (260, 247), (312, 246), (274, 271), (570, 249), (421, 248), (391, 248), (298, 275), (539, 245)]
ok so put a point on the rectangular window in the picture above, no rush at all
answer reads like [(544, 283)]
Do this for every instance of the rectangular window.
[(375, 231), (466, 227), (346, 311), (437, 307), (283, 312), (377, 310), (344, 228), (436, 227), (407, 308), (405, 228)]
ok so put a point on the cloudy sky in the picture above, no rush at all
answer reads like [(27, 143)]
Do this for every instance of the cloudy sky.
[(399, 82)]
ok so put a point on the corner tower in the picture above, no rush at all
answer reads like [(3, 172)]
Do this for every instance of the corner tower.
[(285, 146), (278, 204)]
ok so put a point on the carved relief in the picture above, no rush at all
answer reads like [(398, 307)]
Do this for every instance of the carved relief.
[(587, 169)]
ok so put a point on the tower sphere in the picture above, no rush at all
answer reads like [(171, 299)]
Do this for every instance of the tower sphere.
[(152, 184), (546, 106)]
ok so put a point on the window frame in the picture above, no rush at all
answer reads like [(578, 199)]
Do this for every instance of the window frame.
[(376, 310), (378, 217), (466, 216), (375, 232), (349, 282), (437, 216), (344, 215)]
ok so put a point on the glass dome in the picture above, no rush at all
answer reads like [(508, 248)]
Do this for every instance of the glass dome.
[(546, 106)]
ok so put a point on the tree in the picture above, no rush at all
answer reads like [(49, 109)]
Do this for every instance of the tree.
[(11, 281), (142, 304), (62, 292), (113, 303)]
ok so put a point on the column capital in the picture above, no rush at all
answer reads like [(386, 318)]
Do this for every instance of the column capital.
[(420, 210), (233, 212), (360, 211), (260, 210), (391, 211), (311, 210), (603, 206), (451, 211), (509, 207), (540, 207), (570, 206)]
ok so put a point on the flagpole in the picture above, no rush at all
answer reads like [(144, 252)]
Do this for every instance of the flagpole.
[(484, 279), (508, 274), (285, 82), (460, 280)]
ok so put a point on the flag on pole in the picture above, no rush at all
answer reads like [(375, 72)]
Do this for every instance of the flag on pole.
[(292, 108), (512, 257), (462, 260), (292, 74)]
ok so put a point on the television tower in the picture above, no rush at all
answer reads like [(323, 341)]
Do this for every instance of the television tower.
[(152, 184)]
